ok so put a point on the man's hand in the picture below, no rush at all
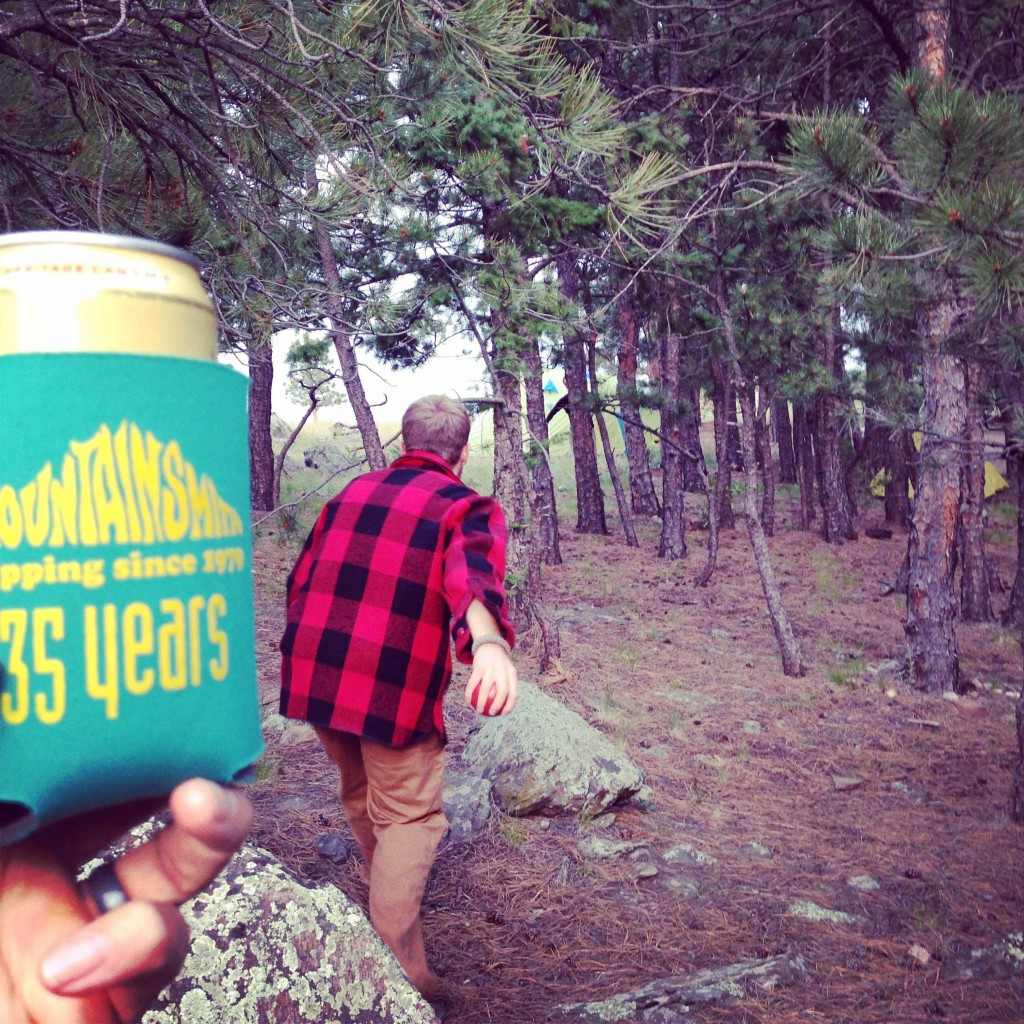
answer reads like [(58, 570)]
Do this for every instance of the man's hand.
[(493, 682), (61, 962)]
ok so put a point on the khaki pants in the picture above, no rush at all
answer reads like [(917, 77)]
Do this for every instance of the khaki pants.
[(392, 799)]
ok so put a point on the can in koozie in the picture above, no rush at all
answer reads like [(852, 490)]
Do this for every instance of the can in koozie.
[(127, 660)]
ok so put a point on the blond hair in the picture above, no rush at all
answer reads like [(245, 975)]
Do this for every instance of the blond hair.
[(436, 423)]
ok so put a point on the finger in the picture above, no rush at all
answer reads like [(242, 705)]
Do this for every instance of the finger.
[(510, 698), (500, 702), (209, 824), (473, 689), (40, 907), (140, 945)]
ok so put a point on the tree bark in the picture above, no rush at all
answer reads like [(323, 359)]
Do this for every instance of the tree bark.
[(1013, 615), (784, 439), (932, 652), (722, 402), (512, 482), (975, 596), (262, 493), (767, 464), (342, 341), (625, 513), (792, 660), (643, 495), (511, 495), (540, 466), (589, 499), (673, 527), (897, 491), (695, 470), (1011, 407), (1018, 774), (803, 442), (837, 523)]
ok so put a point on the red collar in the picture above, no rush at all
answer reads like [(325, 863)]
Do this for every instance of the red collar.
[(419, 458)]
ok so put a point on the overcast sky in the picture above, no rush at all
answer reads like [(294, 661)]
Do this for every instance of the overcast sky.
[(450, 371)]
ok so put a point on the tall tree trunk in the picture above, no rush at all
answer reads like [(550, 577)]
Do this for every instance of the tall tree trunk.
[(589, 499), (1013, 615), (975, 596), (722, 402), (784, 439), (342, 340), (625, 513), (1011, 411), (543, 481), (641, 484), (511, 494), (803, 442), (897, 491), (792, 661), (695, 470), (767, 464), (837, 522), (673, 526), (1018, 774), (262, 492), (932, 652)]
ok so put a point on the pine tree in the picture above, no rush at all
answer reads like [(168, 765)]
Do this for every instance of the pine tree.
[(934, 202)]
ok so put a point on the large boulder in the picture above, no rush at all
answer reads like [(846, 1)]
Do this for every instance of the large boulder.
[(467, 806), (267, 949), (545, 759)]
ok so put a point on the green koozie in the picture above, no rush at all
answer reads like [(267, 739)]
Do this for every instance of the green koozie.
[(127, 660)]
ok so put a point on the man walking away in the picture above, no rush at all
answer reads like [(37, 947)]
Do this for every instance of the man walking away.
[(401, 560)]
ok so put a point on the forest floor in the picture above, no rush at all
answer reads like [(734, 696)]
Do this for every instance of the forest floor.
[(794, 787)]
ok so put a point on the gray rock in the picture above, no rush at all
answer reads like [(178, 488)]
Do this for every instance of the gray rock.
[(563, 874), (296, 734), (667, 1000), (268, 950), (645, 869), (584, 615), (693, 699), (813, 912), (846, 783), (596, 848), (863, 882), (683, 884), (1000, 960), (335, 847), (915, 793), (467, 805), (325, 455), (545, 759), (685, 853)]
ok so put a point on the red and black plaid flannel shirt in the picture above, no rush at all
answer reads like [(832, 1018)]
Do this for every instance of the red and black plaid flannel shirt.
[(393, 559)]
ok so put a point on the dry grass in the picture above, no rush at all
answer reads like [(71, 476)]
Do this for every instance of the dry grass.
[(689, 683)]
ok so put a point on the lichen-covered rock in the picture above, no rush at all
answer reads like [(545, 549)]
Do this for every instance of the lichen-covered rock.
[(467, 806), (545, 759), (268, 950), (1000, 960), (669, 999)]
